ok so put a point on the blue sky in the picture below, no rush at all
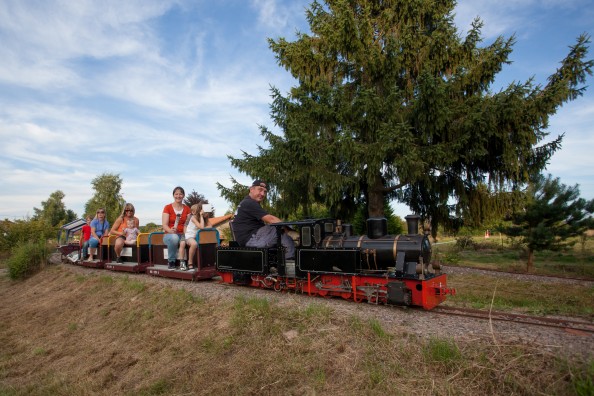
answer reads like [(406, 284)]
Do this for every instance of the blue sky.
[(161, 91)]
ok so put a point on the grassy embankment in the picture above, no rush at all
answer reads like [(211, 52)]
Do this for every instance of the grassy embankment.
[(67, 333), (504, 293)]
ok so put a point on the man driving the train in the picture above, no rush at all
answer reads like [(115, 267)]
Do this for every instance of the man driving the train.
[(251, 224)]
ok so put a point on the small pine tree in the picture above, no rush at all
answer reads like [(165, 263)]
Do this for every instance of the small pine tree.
[(553, 213), (194, 198)]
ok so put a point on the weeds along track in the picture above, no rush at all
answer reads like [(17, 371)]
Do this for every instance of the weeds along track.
[(587, 328)]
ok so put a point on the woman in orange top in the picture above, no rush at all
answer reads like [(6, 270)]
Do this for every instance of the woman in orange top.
[(174, 218), (118, 228)]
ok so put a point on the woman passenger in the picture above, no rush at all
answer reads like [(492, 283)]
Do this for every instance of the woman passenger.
[(118, 228), (173, 219), (99, 228)]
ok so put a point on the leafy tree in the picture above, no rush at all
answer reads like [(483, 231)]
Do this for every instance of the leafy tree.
[(53, 211), (552, 213), (392, 103), (151, 227), (107, 195)]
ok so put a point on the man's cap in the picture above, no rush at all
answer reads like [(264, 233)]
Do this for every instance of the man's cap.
[(260, 183)]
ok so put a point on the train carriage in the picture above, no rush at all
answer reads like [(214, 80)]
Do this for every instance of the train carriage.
[(208, 240), (134, 258), (68, 246), (100, 254)]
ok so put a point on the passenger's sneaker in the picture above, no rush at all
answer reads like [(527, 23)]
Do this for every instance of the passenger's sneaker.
[(119, 260), (171, 265), (183, 266)]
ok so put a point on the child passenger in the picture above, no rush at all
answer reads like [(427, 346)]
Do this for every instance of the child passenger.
[(130, 233), (86, 235), (195, 222)]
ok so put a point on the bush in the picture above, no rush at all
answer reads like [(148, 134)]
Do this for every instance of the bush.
[(26, 259), (451, 257), (14, 233), (464, 242)]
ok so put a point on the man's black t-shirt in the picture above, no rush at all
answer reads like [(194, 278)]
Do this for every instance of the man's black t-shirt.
[(247, 220)]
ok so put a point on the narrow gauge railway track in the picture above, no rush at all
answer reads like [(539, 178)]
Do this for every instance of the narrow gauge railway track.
[(563, 278), (575, 326)]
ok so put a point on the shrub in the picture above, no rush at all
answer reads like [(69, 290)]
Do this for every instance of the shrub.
[(464, 242), (26, 259), (14, 233), (451, 257)]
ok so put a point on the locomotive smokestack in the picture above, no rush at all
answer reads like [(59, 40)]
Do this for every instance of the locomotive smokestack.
[(412, 223), (347, 230), (377, 227)]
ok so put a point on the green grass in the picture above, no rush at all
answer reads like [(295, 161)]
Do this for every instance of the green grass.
[(583, 382), (442, 351)]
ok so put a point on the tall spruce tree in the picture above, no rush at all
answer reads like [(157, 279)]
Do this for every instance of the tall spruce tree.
[(391, 103), (552, 214)]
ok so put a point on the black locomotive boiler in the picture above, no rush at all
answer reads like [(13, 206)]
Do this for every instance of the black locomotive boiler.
[(330, 261)]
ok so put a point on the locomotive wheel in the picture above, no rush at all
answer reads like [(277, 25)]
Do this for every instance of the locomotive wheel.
[(323, 293), (346, 295), (269, 283)]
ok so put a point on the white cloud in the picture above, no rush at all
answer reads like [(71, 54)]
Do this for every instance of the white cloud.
[(514, 16), (272, 14)]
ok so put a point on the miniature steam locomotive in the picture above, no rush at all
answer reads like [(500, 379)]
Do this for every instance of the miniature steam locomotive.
[(330, 261)]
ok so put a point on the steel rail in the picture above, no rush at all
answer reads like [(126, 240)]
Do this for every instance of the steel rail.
[(566, 324)]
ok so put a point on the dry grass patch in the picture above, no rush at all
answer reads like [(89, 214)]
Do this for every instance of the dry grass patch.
[(63, 333)]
